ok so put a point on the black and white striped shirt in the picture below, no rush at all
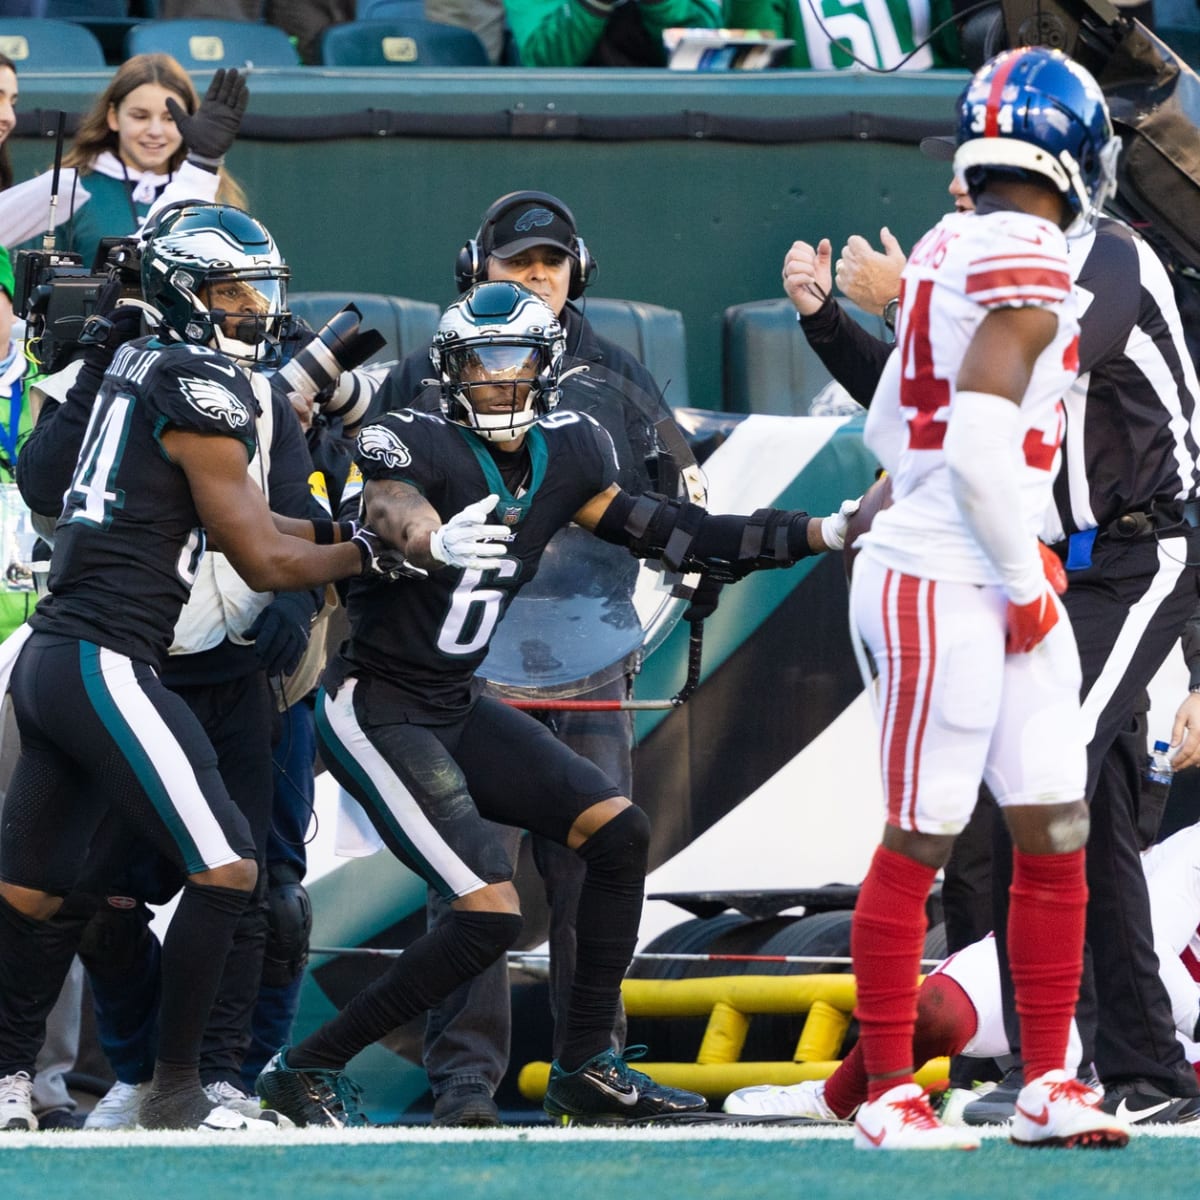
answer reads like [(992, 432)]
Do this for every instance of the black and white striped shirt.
[(1133, 416)]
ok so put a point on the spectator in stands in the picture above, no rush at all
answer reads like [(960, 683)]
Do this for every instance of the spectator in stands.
[(595, 33), (830, 36), (8, 116), (302, 20), (148, 140), (484, 18)]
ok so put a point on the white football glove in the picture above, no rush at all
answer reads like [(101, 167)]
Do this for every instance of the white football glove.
[(466, 541), (833, 527)]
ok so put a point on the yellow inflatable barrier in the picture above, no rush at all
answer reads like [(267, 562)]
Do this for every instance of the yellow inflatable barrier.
[(730, 1001)]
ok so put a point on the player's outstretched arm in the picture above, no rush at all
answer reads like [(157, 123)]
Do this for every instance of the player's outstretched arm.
[(726, 546), (400, 515), (239, 523)]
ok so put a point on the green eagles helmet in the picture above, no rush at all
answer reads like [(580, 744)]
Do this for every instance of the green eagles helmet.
[(498, 335), (204, 265)]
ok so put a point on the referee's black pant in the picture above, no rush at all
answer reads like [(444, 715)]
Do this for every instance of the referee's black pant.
[(1128, 610)]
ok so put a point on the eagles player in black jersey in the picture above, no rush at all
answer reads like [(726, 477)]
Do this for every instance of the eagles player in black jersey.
[(162, 470), (471, 497)]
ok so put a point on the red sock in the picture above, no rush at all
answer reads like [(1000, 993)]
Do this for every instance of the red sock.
[(846, 1088), (1047, 902), (886, 942)]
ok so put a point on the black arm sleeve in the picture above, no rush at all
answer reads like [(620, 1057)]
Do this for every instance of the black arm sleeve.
[(726, 547), (851, 355)]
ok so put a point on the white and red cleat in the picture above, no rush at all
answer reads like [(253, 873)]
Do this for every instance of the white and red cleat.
[(901, 1119), (1057, 1109)]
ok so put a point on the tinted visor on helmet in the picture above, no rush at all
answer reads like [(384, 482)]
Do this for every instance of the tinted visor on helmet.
[(247, 305), (495, 364)]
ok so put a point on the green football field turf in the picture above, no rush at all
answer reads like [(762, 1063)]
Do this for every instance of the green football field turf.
[(646, 1164)]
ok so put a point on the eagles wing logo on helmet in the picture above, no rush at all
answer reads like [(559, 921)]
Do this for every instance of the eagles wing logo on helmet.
[(383, 445), (213, 399)]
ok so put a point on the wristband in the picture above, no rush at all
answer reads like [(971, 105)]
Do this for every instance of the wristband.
[(323, 531), (212, 165)]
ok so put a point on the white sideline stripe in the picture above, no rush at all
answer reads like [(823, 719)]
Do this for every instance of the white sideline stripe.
[(417, 1135)]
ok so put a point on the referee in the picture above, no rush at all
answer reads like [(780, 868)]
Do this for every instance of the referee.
[(1129, 467)]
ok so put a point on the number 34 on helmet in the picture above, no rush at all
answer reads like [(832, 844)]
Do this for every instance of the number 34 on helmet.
[(1035, 112)]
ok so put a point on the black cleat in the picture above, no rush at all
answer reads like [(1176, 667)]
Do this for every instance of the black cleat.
[(997, 1106), (467, 1107), (606, 1088), (312, 1096), (1140, 1102)]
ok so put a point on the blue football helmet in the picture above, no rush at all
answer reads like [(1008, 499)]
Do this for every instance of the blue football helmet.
[(1035, 111), (498, 335)]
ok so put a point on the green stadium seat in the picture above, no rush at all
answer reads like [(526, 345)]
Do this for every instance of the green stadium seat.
[(407, 324), (41, 44), (401, 43), (201, 44), (655, 336), (769, 366)]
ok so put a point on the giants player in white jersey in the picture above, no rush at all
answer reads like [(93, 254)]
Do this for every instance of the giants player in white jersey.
[(955, 598)]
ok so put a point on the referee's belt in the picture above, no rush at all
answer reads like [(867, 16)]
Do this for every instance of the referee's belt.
[(1076, 550)]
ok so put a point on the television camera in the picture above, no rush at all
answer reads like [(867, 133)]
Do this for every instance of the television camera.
[(55, 293)]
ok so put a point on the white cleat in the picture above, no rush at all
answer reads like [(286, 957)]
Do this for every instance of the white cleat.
[(953, 1101), (804, 1099), (225, 1120), (16, 1102), (902, 1119), (118, 1107), (1057, 1109), (226, 1095)]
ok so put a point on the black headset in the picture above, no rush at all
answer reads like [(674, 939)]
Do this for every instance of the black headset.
[(470, 267)]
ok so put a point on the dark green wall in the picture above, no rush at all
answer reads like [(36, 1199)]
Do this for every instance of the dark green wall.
[(694, 225)]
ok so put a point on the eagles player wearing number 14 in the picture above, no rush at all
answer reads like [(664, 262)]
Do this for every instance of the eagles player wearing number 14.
[(471, 497), (162, 468)]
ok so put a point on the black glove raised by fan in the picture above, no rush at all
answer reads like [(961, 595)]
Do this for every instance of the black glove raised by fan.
[(211, 129)]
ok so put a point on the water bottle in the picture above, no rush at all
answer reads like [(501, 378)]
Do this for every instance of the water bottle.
[(1158, 765)]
